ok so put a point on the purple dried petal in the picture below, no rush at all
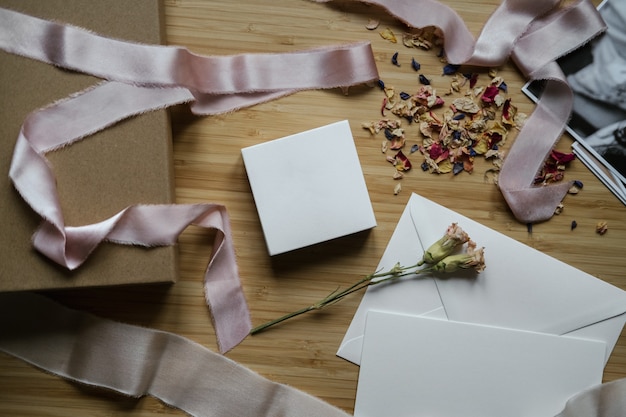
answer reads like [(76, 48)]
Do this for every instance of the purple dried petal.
[(388, 134), (404, 96), (459, 116), (457, 168), (425, 166), (415, 148), (415, 65), (574, 225), (424, 80), (381, 84), (503, 86), (450, 69), (394, 59), (578, 183)]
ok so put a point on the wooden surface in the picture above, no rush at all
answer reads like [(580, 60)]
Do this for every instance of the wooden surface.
[(209, 168)]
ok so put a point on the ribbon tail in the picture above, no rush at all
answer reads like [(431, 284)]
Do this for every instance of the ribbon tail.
[(535, 204), (138, 361)]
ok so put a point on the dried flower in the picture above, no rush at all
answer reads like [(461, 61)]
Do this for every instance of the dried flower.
[(473, 258), (454, 237)]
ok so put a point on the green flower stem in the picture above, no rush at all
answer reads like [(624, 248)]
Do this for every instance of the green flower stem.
[(335, 296)]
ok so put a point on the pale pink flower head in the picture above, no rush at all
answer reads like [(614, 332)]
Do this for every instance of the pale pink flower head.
[(454, 237), (473, 258)]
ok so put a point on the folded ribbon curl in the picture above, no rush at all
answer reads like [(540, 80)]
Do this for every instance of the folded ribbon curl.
[(141, 78), (533, 34)]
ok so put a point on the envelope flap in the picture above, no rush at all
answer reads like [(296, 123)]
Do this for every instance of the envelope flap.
[(413, 296), (521, 287)]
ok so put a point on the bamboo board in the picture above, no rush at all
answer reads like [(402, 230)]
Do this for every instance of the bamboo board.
[(208, 167)]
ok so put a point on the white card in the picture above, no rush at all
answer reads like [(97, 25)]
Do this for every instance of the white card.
[(308, 187)]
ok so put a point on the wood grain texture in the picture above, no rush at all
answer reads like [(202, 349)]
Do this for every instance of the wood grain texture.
[(209, 167)]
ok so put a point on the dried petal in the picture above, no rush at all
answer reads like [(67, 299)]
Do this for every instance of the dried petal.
[(388, 35), (559, 209), (424, 80), (562, 158), (397, 189), (372, 24), (450, 69), (402, 162), (394, 59), (466, 105), (415, 65), (508, 113), (602, 227), (490, 94)]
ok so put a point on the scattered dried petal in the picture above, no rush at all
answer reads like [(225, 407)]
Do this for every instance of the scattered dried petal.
[(372, 24), (450, 69), (397, 189), (465, 105), (574, 225), (402, 163), (394, 59), (388, 35), (489, 95), (559, 209), (562, 158), (602, 227), (573, 190), (415, 65), (424, 80), (397, 175)]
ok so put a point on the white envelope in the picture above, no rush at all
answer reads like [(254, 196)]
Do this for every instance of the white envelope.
[(414, 366), (521, 288)]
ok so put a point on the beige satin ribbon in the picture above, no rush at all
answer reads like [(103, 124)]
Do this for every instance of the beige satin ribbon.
[(137, 361)]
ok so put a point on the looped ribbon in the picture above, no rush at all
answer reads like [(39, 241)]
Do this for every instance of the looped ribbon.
[(533, 34), (141, 78)]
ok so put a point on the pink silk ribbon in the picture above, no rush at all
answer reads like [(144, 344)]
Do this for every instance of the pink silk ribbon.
[(140, 78), (533, 34), (136, 361)]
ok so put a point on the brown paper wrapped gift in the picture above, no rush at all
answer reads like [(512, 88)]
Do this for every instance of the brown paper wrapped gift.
[(126, 164)]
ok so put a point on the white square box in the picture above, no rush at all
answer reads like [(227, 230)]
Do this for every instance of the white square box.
[(308, 187)]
